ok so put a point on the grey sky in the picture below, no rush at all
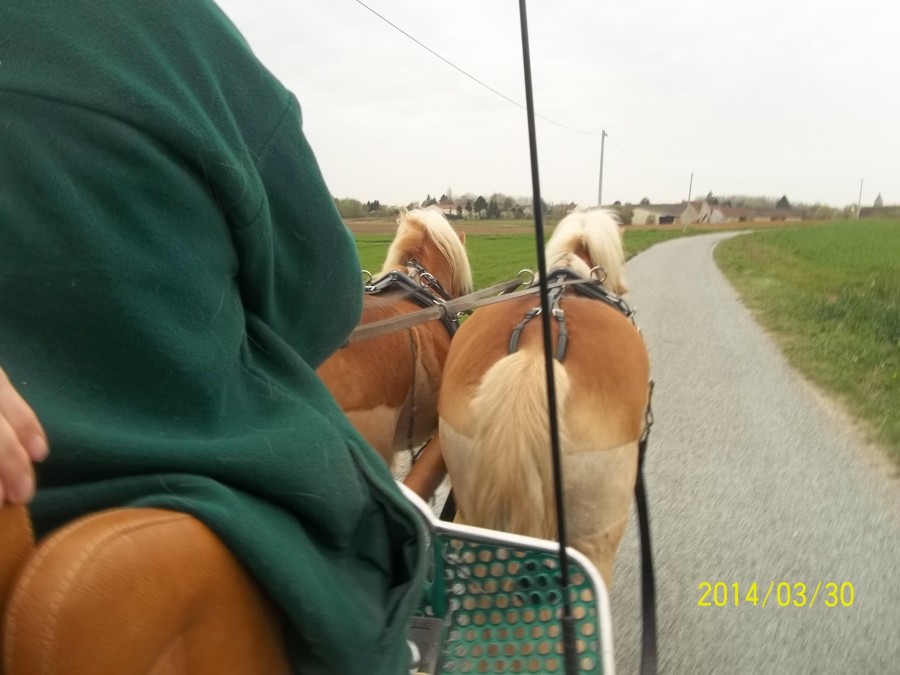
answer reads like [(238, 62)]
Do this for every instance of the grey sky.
[(767, 97)]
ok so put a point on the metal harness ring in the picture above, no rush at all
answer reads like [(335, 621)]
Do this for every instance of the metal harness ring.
[(527, 276)]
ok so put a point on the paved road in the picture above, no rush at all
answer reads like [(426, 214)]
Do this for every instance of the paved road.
[(752, 478)]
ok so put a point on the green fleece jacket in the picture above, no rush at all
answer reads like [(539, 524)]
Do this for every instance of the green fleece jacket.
[(172, 271)]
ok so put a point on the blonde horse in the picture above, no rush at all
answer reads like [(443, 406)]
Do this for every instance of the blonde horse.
[(494, 427), (388, 385)]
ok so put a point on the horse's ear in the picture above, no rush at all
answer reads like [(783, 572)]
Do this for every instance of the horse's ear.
[(462, 237)]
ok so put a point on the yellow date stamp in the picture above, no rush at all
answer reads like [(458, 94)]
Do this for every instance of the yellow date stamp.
[(776, 593)]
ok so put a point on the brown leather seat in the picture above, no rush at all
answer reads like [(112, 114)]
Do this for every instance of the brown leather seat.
[(16, 543), (130, 592)]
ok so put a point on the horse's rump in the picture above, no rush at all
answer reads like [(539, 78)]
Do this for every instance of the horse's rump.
[(495, 428)]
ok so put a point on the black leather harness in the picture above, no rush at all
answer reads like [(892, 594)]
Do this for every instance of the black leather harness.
[(588, 289), (419, 286)]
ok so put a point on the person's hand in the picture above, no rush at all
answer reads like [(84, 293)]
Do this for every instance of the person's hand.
[(22, 441)]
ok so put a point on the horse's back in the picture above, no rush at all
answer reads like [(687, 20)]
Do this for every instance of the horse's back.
[(605, 358)]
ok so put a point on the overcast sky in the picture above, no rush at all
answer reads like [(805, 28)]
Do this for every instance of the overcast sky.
[(761, 97)]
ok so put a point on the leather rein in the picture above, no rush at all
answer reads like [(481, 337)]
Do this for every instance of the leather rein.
[(419, 286), (423, 288), (449, 310)]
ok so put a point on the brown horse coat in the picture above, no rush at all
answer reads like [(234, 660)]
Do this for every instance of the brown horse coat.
[(494, 424), (388, 386)]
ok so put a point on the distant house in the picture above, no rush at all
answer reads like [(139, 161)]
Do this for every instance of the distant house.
[(657, 214), (691, 212), (701, 211), (880, 212), (715, 214), (453, 210)]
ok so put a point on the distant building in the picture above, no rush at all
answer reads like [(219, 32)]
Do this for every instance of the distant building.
[(657, 214), (880, 211), (691, 213), (701, 212), (879, 202), (715, 214), (452, 210)]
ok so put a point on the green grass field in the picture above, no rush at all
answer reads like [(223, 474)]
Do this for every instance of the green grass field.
[(496, 257), (831, 297)]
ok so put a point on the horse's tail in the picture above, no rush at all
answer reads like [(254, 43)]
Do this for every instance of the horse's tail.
[(511, 485)]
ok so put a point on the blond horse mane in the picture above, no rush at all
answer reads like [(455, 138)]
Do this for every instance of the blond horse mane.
[(595, 234), (413, 227)]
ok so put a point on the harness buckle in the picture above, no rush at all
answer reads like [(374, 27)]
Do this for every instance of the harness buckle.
[(598, 274)]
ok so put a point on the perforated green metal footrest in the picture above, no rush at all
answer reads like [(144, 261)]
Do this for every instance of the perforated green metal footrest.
[(499, 599)]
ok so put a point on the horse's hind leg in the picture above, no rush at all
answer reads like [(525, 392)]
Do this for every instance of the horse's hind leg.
[(599, 485), (601, 548), (378, 426), (428, 471)]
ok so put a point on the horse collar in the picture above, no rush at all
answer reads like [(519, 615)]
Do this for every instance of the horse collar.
[(420, 287)]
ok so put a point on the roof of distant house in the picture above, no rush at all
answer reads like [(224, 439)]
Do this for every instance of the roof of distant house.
[(886, 211), (663, 209), (747, 212)]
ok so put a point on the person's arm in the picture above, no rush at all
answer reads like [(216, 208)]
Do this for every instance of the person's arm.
[(300, 270), (22, 441)]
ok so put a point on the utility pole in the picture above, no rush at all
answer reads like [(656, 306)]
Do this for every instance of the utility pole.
[(859, 203), (690, 188), (602, 147)]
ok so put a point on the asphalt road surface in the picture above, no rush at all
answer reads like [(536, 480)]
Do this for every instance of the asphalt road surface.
[(753, 478)]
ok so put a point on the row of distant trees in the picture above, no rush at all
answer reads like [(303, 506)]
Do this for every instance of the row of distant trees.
[(748, 202), (494, 206), (498, 206)]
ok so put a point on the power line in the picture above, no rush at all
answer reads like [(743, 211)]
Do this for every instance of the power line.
[(639, 162), (472, 77), (507, 98)]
